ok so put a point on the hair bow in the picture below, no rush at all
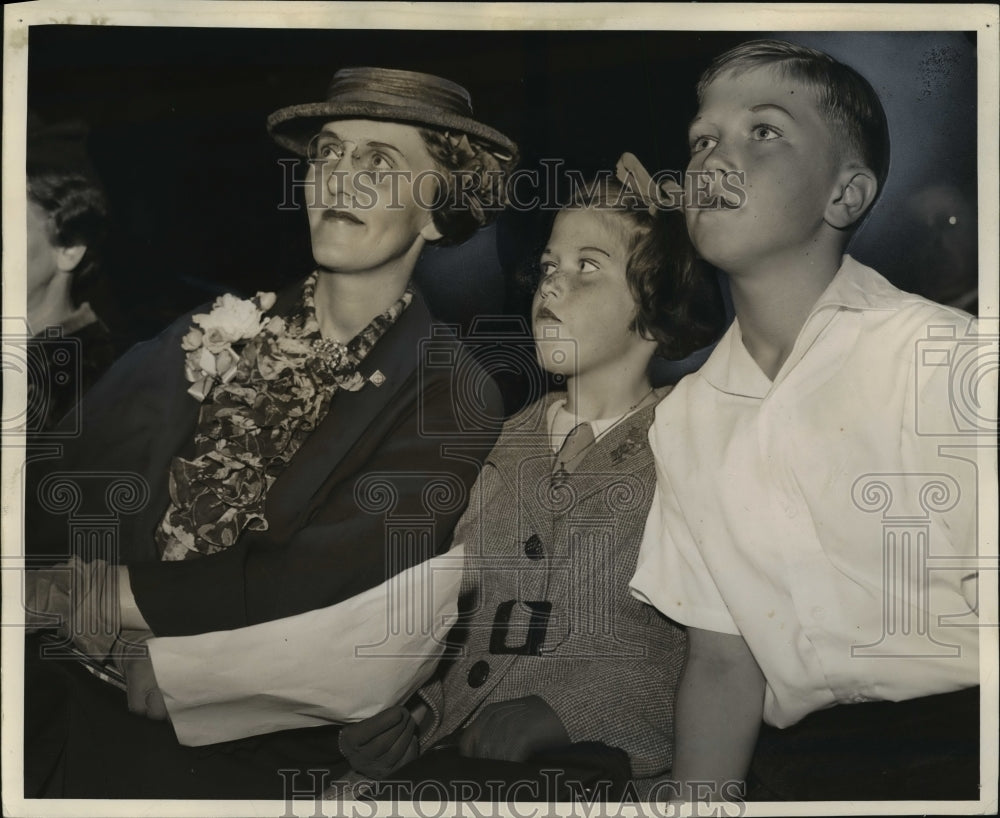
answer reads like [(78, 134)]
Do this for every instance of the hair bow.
[(636, 178)]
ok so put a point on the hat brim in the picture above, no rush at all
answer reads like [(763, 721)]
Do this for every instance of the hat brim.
[(293, 127)]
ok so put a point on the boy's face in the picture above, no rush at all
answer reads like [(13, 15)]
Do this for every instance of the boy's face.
[(771, 128), (374, 184), (583, 305)]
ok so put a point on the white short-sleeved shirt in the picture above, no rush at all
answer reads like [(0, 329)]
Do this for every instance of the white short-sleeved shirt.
[(829, 516)]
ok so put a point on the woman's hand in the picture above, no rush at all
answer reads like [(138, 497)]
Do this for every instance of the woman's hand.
[(47, 599), (78, 598), (513, 731), (132, 657), (381, 744)]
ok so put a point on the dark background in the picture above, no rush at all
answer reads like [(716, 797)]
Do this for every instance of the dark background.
[(176, 133)]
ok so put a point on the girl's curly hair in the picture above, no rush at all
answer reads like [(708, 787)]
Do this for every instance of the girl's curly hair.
[(678, 299)]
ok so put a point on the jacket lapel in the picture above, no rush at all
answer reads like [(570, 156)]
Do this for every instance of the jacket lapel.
[(523, 456), (396, 357), (622, 450)]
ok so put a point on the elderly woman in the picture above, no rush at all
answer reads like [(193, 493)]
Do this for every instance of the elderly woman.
[(245, 443)]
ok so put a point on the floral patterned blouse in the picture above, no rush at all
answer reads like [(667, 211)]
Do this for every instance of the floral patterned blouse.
[(255, 417)]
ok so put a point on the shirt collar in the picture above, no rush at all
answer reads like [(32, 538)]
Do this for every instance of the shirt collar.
[(857, 287), (559, 423), (731, 369)]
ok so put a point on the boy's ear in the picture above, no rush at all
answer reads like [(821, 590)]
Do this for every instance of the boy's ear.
[(67, 258), (853, 195)]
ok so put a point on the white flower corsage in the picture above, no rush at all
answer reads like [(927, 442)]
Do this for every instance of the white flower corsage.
[(209, 344)]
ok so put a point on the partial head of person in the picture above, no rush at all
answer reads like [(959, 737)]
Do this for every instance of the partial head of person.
[(620, 283), (67, 222), (804, 142), (396, 161)]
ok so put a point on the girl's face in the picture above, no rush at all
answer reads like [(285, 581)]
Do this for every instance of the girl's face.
[(583, 306)]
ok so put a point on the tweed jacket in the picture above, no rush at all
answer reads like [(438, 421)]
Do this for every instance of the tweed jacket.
[(354, 506), (545, 599)]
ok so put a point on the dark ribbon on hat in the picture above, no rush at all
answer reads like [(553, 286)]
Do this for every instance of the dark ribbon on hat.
[(390, 87)]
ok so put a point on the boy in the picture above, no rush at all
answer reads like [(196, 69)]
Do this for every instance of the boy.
[(792, 530)]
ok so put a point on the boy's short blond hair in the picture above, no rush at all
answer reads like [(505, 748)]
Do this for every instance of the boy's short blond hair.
[(848, 102)]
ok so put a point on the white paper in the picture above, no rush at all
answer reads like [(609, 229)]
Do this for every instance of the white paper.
[(334, 665)]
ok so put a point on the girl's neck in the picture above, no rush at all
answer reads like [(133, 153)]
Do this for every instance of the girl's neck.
[(601, 396), (346, 304)]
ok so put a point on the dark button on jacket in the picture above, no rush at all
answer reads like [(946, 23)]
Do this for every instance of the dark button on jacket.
[(479, 673), (533, 548)]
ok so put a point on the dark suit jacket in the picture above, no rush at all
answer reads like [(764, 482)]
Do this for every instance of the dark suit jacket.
[(546, 600), (376, 488)]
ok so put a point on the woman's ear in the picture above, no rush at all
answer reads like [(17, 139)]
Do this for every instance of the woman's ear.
[(430, 232), (68, 258), (853, 195)]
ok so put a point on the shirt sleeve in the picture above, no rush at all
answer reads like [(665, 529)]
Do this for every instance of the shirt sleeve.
[(671, 574), (334, 665)]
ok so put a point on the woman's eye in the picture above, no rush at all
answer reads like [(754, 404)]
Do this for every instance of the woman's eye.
[(702, 143), (379, 161), (547, 268), (324, 150), (765, 133), (588, 266)]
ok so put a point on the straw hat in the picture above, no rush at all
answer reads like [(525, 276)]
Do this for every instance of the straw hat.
[(383, 93)]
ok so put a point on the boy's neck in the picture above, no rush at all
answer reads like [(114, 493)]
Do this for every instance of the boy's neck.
[(346, 304), (772, 305)]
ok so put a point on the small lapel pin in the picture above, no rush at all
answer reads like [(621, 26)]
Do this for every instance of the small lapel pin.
[(377, 378), (633, 442)]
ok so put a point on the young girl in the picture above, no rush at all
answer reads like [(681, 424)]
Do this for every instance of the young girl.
[(554, 649)]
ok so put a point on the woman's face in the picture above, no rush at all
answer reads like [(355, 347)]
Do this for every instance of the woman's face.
[(583, 306), (371, 186), (42, 262)]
